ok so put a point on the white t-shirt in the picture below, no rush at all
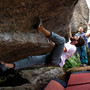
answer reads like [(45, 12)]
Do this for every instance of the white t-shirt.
[(65, 55), (88, 40)]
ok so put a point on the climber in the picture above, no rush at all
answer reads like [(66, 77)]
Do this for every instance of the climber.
[(56, 57)]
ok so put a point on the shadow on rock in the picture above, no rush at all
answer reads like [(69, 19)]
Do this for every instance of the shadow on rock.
[(11, 78)]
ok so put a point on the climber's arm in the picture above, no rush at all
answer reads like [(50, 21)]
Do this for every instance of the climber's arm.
[(87, 35), (69, 33)]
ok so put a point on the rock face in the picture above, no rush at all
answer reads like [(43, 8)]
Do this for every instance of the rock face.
[(17, 38), (80, 16), (37, 78)]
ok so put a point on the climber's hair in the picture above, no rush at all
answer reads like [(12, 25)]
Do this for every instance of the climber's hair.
[(81, 42)]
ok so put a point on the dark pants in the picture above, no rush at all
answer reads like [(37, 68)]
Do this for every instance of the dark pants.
[(54, 56), (83, 54)]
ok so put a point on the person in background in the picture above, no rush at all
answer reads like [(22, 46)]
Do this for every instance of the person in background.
[(88, 38), (82, 50)]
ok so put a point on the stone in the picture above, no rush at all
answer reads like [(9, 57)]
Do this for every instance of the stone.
[(80, 16), (17, 38), (37, 78)]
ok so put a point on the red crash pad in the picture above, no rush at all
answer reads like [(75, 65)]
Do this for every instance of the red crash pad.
[(54, 85), (79, 87), (79, 79)]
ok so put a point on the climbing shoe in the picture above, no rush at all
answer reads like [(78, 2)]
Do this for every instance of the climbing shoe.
[(83, 65), (38, 23)]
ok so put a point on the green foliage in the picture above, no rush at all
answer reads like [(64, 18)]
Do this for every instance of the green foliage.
[(88, 55), (73, 61)]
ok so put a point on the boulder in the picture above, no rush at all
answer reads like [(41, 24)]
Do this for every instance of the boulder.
[(17, 38), (80, 16), (37, 78)]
